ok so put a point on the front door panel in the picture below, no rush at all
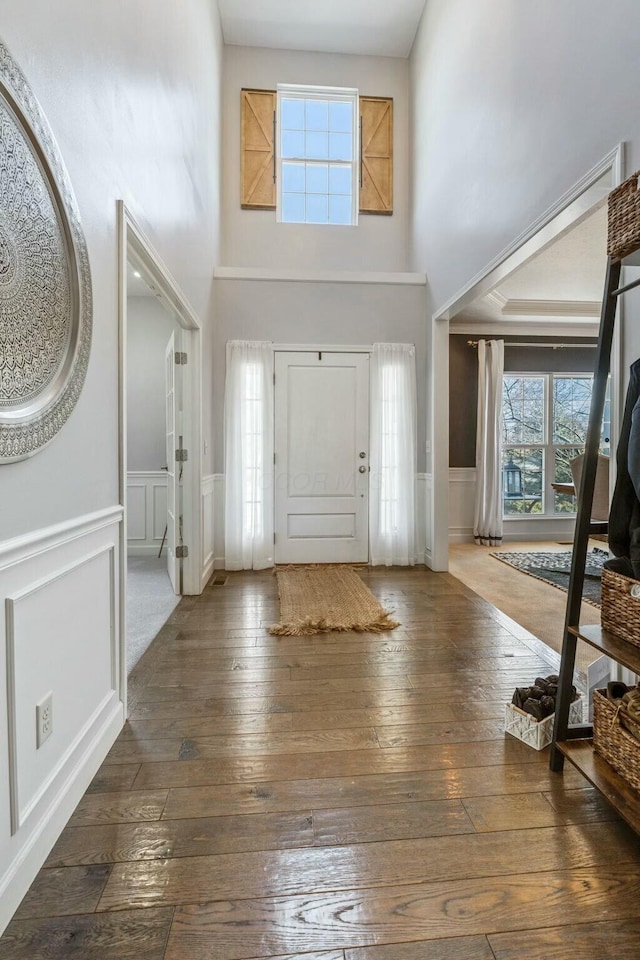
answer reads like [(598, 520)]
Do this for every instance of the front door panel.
[(322, 457)]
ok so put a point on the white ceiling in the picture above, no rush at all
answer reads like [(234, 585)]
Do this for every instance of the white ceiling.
[(382, 28), (565, 281)]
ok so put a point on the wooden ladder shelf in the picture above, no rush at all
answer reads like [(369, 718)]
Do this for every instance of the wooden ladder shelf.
[(574, 741)]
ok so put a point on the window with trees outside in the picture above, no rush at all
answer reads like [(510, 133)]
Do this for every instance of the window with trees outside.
[(544, 426)]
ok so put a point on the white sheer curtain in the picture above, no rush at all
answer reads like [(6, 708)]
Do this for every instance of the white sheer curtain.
[(248, 414), (487, 525), (393, 454)]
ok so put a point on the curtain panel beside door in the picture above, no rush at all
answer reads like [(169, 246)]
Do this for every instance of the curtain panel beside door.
[(248, 416), (487, 526), (393, 454)]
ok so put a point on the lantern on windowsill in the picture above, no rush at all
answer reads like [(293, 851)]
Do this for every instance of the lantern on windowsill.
[(512, 480)]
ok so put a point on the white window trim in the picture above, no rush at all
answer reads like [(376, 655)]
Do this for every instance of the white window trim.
[(292, 91), (548, 447)]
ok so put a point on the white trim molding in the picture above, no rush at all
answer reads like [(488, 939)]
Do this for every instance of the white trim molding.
[(319, 276), (561, 309)]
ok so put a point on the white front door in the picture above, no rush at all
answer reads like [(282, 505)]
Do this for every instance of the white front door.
[(322, 457), (173, 485)]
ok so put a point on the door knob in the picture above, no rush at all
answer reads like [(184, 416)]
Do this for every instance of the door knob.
[(362, 469), (362, 454)]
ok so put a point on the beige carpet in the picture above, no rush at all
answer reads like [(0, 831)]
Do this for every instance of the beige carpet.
[(325, 598), (537, 606)]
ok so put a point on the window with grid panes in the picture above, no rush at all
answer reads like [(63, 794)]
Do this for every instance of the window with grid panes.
[(544, 427), (317, 151)]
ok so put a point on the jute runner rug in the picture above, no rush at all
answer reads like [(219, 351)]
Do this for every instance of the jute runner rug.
[(325, 598)]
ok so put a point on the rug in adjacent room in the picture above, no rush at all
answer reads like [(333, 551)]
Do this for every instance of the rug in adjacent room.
[(555, 568), (325, 598)]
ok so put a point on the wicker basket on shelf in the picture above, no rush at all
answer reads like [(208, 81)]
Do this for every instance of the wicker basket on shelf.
[(612, 742), (620, 606), (624, 219)]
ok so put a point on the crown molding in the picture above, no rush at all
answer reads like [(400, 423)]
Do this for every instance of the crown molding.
[(565, 309)]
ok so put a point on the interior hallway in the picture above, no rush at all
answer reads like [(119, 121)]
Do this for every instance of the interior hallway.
[(331, 795)]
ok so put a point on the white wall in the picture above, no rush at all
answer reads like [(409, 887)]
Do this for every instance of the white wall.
[(252, 237), (511, 104), (149, 327), (132, 91)]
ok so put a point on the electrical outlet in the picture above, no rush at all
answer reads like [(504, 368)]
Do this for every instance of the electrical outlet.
[(44, 719)]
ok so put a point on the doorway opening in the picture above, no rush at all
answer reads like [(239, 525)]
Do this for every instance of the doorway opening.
[(160, 443), (544, 304), (483, 303), (154, 494)]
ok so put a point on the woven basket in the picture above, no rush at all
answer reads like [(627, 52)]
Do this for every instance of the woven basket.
[(620, 610), (624, 219), (612, 742)]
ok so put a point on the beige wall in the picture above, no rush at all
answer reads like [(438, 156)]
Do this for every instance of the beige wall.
[(252, 238)]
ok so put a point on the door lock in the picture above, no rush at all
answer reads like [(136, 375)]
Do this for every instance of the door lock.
[(362, 469), (362, 454)]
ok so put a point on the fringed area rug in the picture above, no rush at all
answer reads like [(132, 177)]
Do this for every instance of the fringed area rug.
[(325, 598), (555, 568)]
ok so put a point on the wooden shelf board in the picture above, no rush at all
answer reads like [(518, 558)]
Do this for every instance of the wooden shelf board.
[(620, 650), (622, 797)]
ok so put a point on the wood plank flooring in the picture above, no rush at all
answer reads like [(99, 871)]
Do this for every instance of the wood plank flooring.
[(338, 797)]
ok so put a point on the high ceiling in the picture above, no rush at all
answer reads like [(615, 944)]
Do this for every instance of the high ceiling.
[(383, 28)]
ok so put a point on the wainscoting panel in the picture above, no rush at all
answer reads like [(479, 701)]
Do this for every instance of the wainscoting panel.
[(146, 511), (208, 527), (421, 517), (59, 628), (462, 489), (428, 518), (218, 520)]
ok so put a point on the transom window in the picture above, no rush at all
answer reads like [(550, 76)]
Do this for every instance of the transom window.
[(544, 426), (318, 145)]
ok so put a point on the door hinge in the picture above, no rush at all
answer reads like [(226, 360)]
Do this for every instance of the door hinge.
[(180, 358), (274, 458), (182, 552), (182, 455), (274, 538), (274, 379)]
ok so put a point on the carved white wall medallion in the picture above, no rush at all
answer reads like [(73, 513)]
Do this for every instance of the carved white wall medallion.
[(45, 281)]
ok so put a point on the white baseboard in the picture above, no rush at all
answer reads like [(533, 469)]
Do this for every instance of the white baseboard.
[(145, 549), (23, 870)]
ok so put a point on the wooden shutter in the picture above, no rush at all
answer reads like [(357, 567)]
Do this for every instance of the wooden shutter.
[(258, 185), (376, 147)]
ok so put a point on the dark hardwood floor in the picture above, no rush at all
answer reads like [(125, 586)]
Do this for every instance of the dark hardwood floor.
[(337, 797)]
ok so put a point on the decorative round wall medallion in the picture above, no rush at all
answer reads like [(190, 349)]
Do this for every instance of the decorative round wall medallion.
[(45, 280)]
